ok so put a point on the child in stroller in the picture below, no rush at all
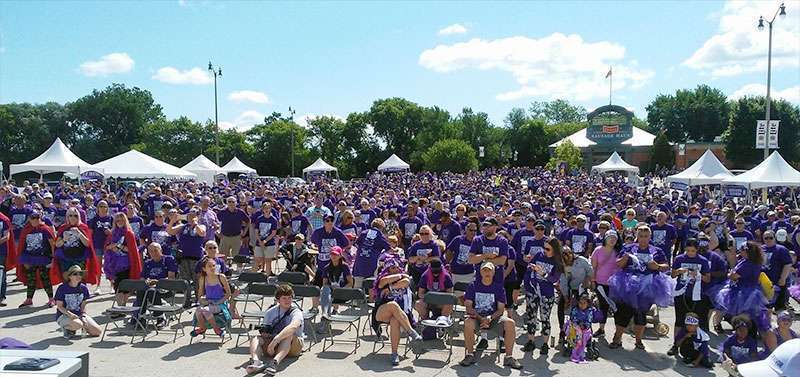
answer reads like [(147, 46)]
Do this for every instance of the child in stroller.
[(579, 345)]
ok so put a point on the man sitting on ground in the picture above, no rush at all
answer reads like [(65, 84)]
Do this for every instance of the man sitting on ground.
[(280, 333)]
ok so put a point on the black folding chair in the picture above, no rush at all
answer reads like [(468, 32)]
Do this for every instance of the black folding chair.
[(254, 316), (248, 278), (170, 311), (293, 278), (348, 296), (302, 292), (459, 310), (438, 299), (123, 313)]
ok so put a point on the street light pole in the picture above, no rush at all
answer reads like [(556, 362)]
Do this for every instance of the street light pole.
[(217, 73), (782, 12), (291, 118)]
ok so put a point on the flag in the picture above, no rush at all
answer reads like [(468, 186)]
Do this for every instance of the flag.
[(609, 72)]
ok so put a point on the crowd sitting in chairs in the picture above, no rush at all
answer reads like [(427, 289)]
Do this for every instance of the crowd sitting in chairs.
[(418, 257)]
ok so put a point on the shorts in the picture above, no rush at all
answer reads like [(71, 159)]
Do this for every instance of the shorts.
[(294, 350), (63, 321), (463, 278), (494, 325), (625, 313), (265, 251), (230, 245)]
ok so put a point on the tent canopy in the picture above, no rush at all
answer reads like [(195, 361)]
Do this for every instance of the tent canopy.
[(774, 171), (319, 166), (615, 163), (705, 171), (57, 158), (640, 138), (394, 163), (237, 166), (204, 168), (135, 164)]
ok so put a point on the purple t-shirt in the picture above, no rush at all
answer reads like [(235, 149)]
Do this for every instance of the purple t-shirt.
[(644, 256), (409, 227), (740, 352), (775, 258), (544, 280), (748, 273), (19, 217), (433, 284), (158, 270), (265, 225), (370, 245), (420, 249), (498, 246), (663, 236), (740, 238), (99, 225), (460, 247), (324, 242), (450, 231), (72, 297), (485, 297), (699, 264), (580, 240), (232, 221), (37, 250)]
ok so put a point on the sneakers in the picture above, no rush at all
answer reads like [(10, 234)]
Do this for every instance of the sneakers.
[(27, 302), (272, 368), (599, 333), (444, 321), (673, 350), (194, 333), (255, 366), (98, 290), (469, 359), (639, 345), (314, 311), (482, 344), (3, 303), (68, 334), (512, 363), (529, 346), (544, 350), (395, 359), (51, 302), (614, 345)]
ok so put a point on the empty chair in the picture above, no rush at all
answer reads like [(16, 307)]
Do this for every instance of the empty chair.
[(349, 296), (170, 311), (123, 313)]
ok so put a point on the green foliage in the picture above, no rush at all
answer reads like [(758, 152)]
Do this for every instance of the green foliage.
[(700, 114), (662, 154), (177, 141), (557, 111), (530, 140), (27, 130), (397, 121), (450, 155), (740, 137), (271, 144), (567, 152)]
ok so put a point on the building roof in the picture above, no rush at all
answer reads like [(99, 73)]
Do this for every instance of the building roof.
[(640, 138)]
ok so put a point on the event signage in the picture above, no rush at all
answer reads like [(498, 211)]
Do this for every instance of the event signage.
[(610, 124), (772, 134), (680, 186), (735, 191), (761, 134), (91, 175)]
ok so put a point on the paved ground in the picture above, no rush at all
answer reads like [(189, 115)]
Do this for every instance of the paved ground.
[(158, 356)]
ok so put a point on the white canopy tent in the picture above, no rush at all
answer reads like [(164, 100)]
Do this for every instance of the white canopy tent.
[(205, 169), (615, 163), (393, 163), (320, 166), (705, 171), (640, 138), (237, 166), (56, 159), (774, 171), (135, 164)]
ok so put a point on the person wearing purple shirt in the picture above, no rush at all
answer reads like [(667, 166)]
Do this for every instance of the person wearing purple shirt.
[(324, 239), (690, 268), (299, 222), (463, 271), (542, 273), (580, 240), (421, 253), (101, 226), (739, 347), (208, 217), (265, 229), (740, 235), (522, 236), (664, 234), (777, 266), (71, 298), (744, 294), (490, 247), (155, 200), (18, 214), (409, 225), (370, 244), (447, 229), (232, 221)]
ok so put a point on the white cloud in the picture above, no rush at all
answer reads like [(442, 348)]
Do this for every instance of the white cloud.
[(739, 48), (453, 29), (194, 76), (554, 66), (244, 121), (248, 96), (791, 94), (117, 62), (183, 3)]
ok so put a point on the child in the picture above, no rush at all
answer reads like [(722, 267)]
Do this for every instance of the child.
[(579, 336), (739, 347), (692, 343)]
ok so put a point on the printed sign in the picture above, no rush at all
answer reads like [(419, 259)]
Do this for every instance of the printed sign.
[(735, 191), (772, 134), (610, 124), (680, 186), (761, 134)]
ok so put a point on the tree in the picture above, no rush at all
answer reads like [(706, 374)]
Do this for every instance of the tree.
[(559, 131), (557, 111), (740, 137), (397, 121), (568, 153), (177, 141), (450, 155), (436, 125), (110, 121), (272, 150), (530, 141), (700, 114), (27, 130), (661, 153)]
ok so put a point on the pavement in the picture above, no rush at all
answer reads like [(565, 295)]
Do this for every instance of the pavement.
[(159, 356)]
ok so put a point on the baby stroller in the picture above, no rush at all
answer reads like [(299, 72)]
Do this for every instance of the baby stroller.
[(579, 345)]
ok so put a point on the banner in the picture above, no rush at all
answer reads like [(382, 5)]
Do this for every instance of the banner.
[(735, 191), (91, 175), (680, 186), (761, 134), (772, 134)]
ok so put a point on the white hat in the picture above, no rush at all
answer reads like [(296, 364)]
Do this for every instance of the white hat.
[(783, 362)]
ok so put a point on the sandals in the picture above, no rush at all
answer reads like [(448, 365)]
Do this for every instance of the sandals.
[(639, 346), (196, 332)]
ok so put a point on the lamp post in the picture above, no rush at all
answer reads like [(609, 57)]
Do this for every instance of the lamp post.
[(780, 12), (291, 118), (217, 72)]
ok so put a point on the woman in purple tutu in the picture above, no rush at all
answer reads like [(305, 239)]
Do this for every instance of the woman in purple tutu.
[(719, 276), (743, 294), (639, 284)]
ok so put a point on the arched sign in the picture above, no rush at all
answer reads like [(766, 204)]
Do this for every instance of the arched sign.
[(610, 124)]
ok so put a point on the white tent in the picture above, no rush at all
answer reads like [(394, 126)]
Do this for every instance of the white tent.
[(615, 163), (705, 171), (237, 166), (57, 158), (205, 169), (135, 164), (393, 163), (640, 138), (320, 166), (774, 171)]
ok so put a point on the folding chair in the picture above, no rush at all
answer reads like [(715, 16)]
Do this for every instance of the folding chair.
[(259, 289), (134, 312), (440, 299), (222, 322), (293, 278), (460, 311), (170, 310), (366, 286), (249, 277), (302, 292), (348, 296)]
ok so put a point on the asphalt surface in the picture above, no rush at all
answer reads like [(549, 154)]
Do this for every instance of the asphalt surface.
[(159, 356)]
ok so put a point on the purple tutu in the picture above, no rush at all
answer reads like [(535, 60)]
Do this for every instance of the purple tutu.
[(794, 291), (641, 291), (734, 300), (712, 291)]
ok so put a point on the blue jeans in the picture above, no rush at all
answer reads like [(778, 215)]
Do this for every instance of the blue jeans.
[(3, 283), (325, 299)]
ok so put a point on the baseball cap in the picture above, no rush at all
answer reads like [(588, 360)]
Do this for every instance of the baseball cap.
[(47, 196), (490, 221), (336, 250), (783, 362), (299, 236), (581, 218), (530, 218), (488, 265)]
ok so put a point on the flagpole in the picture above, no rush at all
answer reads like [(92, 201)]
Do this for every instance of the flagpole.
[(610, 84)]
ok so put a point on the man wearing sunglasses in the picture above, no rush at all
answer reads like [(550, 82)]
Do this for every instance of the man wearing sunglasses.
[(777, 266)]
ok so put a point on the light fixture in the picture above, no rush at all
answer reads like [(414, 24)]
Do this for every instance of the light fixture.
[(783, 11), (761, 23)]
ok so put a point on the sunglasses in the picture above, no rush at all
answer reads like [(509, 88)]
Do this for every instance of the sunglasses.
[(211, 247), (472, 229), (425, 234), (72, 215), (76, 274), (769, 238), (328, 221), (548, 248)]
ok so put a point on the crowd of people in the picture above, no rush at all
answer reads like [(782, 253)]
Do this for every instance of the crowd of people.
[(510, 244)]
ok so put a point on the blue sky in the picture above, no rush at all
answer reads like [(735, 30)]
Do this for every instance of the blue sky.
[(333, 58)]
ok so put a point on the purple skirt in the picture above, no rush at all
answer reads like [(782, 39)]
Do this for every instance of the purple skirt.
[(641, 291), (712, 291), (794, 291), (114, 263), (734, 300)]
